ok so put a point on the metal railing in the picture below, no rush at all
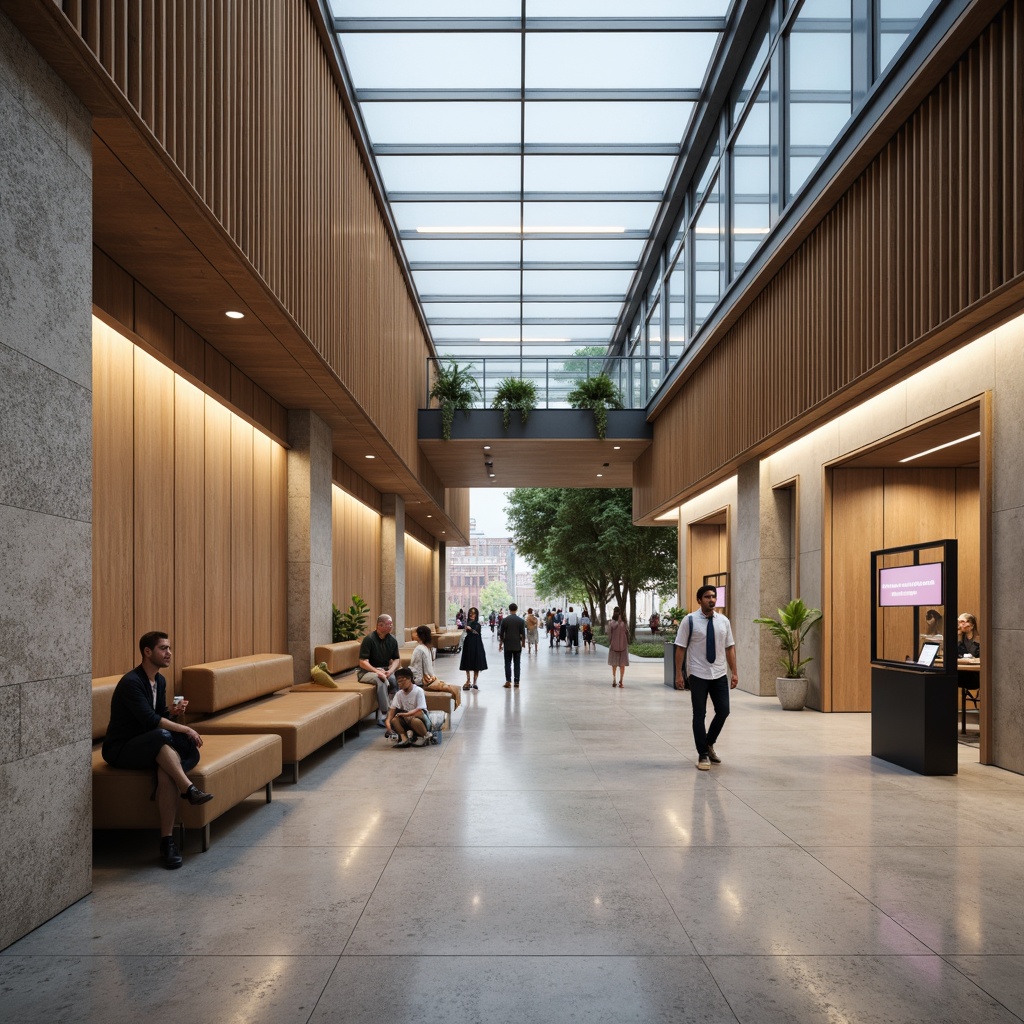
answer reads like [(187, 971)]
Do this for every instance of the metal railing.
[(636, 377)]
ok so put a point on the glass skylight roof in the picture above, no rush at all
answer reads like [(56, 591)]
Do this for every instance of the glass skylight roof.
[(525, 155)]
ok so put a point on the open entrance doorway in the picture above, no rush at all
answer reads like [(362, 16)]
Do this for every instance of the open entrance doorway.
[(707, 553), (927, 483)]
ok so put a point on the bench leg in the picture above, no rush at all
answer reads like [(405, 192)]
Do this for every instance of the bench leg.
[(206, 837), (270, 791)]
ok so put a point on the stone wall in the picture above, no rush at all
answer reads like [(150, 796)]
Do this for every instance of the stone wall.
[(45, 491)]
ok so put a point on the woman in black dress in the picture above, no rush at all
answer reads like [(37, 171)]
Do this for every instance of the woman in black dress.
[(473, 657)]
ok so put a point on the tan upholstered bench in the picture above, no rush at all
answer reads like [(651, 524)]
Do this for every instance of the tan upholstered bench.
[(232, 768), (241, 696)]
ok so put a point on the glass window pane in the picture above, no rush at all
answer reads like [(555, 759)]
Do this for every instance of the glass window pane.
[(450, 173), (677, 309), (576, 282), (433, 60), (604, 311), (484, 250), (414, 8), (751, 183), (618, 60), (613, 8), (606, 123), (569, 250), (470, 310), (442, 123), (752, 77), (597, 173), (466, 282), (707, 256), (631, 216), (897, 20), (654, 330), (411, 216)]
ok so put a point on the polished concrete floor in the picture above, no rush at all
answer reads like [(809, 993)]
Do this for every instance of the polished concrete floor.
[(558, 858)]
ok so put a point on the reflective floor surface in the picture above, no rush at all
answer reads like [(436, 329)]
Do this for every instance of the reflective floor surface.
[(558, 858)]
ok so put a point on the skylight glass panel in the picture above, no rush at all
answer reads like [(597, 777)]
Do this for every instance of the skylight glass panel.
[(637, 8), (590, 250), (576, 282), (597, 173), (433, 60), (450, 173), (470, 311), (467, 282), (442, 123), (618, 60), (616, 216), (604, 311), (415, 8), (614, 122), (454, 217), (463, 250)]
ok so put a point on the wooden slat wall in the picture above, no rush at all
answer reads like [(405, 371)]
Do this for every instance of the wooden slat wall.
[(419, 583), (876, 508), (189, 503), (456, 504), (934, 227), (244, 102), (355, 552), (126, 301)]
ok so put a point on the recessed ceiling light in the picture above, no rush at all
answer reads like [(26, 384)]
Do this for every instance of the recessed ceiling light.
[(369, 456), (938, 448), (616, 447), (600, 474), (487, 447), (430, 517), (234, 314), (490, 474)]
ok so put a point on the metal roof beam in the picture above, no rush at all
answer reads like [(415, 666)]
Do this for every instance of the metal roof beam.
[(529, 95), (515, 265), (531, 149), (515, 298), (529, 197), (488, 25)]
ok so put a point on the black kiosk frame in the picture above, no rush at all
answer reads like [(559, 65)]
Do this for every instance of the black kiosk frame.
[(913, 704)]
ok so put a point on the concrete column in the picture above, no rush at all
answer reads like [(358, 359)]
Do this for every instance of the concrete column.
[(762, 582), (309, 537), (45, 491), (392, 561), (441, 566)]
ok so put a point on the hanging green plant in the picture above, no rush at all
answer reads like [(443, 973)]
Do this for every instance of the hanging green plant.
[(515, 395), (598, 394), (454, 388)]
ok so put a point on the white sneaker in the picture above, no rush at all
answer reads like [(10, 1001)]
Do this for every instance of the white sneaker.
[(704, 764), (421, 741)]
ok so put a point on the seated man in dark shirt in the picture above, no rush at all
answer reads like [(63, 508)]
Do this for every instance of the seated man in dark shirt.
[(142, 735), (378, 659)]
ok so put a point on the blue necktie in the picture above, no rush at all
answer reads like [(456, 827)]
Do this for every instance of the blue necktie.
[(711, 640)]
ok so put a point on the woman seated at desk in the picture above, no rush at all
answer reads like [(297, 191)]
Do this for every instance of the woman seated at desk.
[(968, 645)]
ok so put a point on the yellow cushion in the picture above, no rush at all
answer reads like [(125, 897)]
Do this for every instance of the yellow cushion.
[(318, 675)]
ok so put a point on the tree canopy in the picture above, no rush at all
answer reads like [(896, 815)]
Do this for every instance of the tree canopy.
[(494, 596), (583, 542)]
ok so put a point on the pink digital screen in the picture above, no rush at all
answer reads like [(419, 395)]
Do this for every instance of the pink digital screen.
[(909, 585)]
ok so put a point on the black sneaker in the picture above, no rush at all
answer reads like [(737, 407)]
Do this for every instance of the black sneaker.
[(169, 853), (714, 758), (194, 795)]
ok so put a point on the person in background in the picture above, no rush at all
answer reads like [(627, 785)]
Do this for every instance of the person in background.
[(532, 623), (142, 735), (572, 623), (655, 623), (474, 658), (549, 625), (968, 644), (705, 640), (618, 646), (492, 620), (460, 619), (407, 715), (422, 666), (511, 637), (587, 629)]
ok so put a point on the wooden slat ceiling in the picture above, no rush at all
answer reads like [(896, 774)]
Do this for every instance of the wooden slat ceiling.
[(150, 237), (967, 453), (534, 463)]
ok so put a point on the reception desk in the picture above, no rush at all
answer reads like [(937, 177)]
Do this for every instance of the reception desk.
[(968, 678)]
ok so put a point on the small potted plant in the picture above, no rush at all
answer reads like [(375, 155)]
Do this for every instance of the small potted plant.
[(790, 630), (515, 395), (454, 388), (599, 394), (350, 625)]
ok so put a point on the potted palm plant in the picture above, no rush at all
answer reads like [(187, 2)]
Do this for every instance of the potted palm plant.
[(454, 388), (599, 394), (515, 395), (790, 630)]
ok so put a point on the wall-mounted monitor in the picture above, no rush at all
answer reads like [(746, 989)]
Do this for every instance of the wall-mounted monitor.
[(720, 598), (909, 585)]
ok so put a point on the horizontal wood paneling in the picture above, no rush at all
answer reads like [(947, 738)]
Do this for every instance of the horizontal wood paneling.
[(930, 235), (227, 93), (189, 506)]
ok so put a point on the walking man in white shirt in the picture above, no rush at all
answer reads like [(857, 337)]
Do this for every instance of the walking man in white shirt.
[(705, 640), (572, 620)]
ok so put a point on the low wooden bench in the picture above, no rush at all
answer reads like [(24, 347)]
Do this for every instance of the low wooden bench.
[(250, 695), (232, 768)]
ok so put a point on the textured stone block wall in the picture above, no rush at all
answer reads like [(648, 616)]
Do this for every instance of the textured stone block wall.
[(45, 491)]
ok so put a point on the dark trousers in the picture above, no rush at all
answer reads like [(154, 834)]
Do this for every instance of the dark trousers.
[(512, 659), (574, 636), (700, 690)]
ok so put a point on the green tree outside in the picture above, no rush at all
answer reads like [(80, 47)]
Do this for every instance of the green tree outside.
[(494, 596)]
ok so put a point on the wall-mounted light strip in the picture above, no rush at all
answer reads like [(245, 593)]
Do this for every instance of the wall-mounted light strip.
[(938, 448)]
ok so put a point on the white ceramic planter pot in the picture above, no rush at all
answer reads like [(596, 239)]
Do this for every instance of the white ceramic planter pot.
[(792, 693)]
